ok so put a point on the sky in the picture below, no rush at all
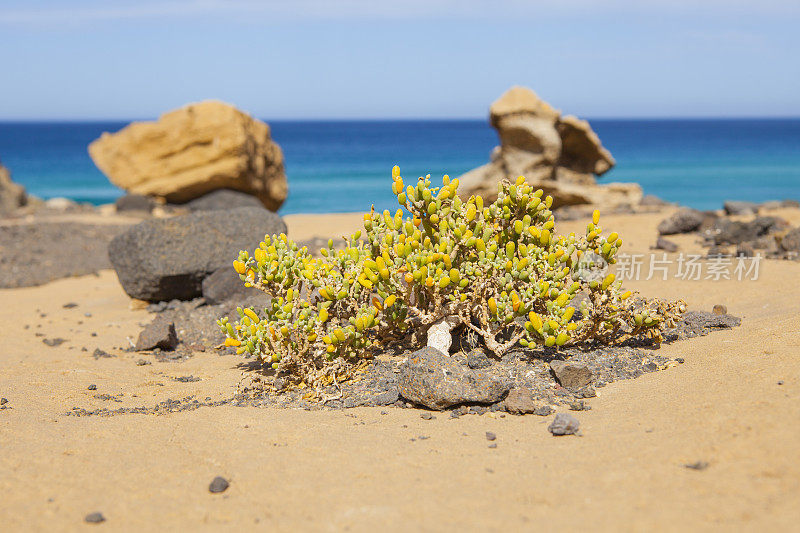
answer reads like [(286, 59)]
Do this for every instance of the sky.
[(315, 59)]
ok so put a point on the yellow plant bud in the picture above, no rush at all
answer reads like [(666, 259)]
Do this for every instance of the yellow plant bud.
[(323, 314), (492, 306), (608, 281), (232, 342), (395, 171), (625, 295), (596, 217), (544, 238), (240, 267), (252, 315)]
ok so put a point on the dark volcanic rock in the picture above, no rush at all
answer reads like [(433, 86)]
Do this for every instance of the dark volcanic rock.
[(791, 241), (732, 207), (386, 398), (436, 381), (698, 323), (520, 402), (572, 375), (54, 342), (135, 202), (476, 359), (37, 253), (160, 333), (94, 518), (224, 285), (564, 424), (218, 484), (726, 231), (745, 249), (666, 245), (682, 221), (163, 259), (223, 199)]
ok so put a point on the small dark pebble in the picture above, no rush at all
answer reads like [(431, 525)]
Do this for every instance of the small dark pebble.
[(579, 405), (54, 342), (699, 465), (720, 309), (219, 484), (98, 353), (493, 445), (427, 416), (545, 410), (424, 437), (94, 518), (187, 379), (69, 305), (142, 362), (490, 436), (780, 382), (92, 387), (3, 401), (87, 315), (680, 360)]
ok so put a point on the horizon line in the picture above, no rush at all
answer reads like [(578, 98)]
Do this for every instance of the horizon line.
[(405, 119)]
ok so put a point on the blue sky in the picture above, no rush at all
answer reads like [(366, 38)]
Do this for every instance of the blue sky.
[(313, 59)]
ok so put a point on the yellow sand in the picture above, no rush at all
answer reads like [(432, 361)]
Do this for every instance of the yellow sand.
[(359, 470)]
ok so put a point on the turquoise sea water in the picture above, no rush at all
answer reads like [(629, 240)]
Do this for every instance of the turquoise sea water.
[(341, 166)]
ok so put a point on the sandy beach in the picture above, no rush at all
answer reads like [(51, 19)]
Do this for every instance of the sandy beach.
[(732, 404)]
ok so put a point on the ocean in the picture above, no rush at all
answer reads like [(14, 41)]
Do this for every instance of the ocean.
[(343, 166)]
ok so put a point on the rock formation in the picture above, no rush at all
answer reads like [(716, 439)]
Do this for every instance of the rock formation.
[(12, 195), (194, 150), (559, 154), (168, 258)]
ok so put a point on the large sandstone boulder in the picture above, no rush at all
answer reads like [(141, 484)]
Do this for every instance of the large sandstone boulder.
[(165, 259), (12, 195), (192, 151), (560, 155)]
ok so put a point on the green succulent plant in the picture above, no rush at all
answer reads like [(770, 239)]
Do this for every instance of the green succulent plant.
[(437, 263)]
